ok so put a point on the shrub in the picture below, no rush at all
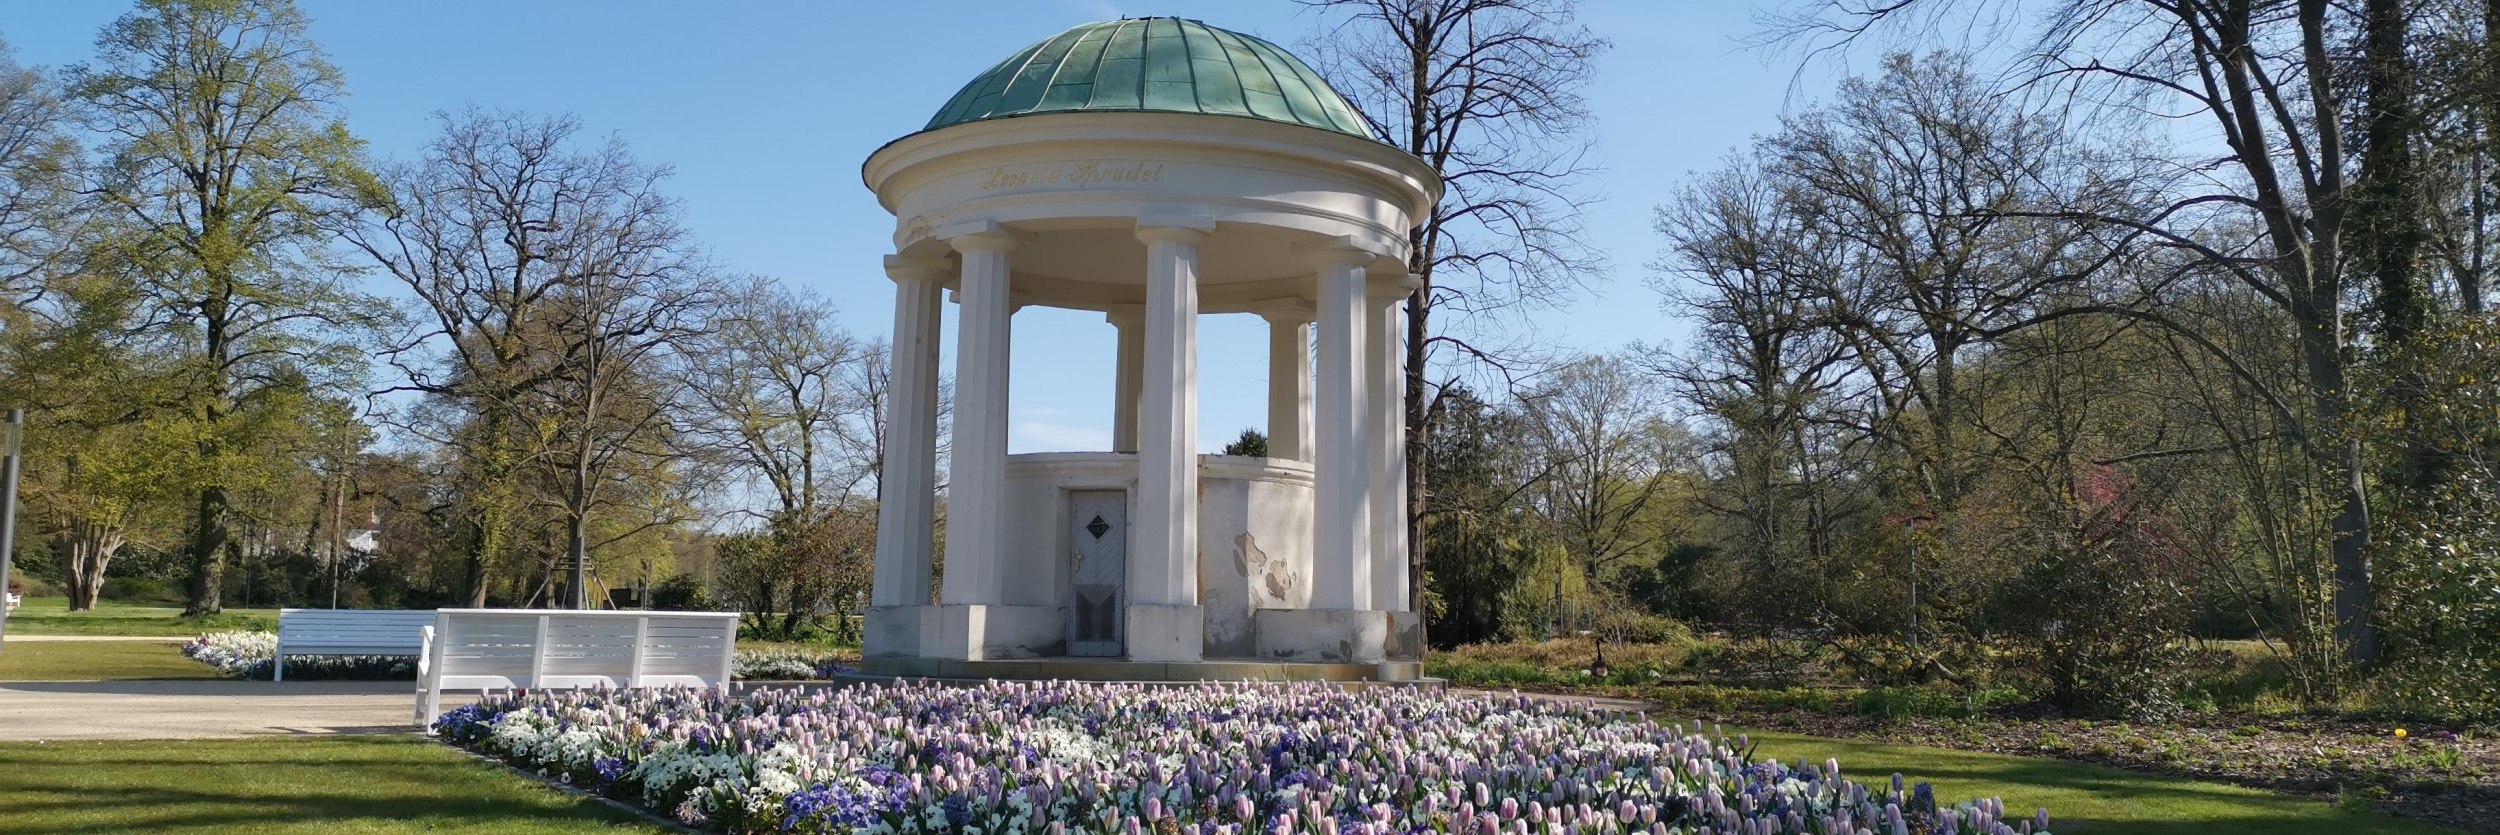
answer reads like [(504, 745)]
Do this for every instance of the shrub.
[(681, 592), (2443, 614), (141, 590), (1571, 654)]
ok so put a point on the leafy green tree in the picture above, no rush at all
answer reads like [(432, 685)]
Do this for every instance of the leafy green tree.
[(2443, 540), (224, 149), (1485, 538), (1252, 443), (103, 461)]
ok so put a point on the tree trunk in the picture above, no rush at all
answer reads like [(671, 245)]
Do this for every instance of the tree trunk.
[(210, 538), (2355, 590), (86, 550), (477, 578), (577, 549), (2389, 230), (1419, 452), (209, 544), (2343, 455), (2471, 282)]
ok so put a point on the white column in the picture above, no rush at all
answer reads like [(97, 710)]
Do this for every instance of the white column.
[(1163, 562), (1130, 362), (906, 487), (977, 475), (1385, 371), (1341, 573), (1288, 384)]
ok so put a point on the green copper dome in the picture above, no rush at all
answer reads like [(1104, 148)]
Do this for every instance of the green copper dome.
[(1156, 64)]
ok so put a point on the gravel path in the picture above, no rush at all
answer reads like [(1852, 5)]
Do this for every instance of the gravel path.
[(37, 639), (61, 710), (66, 710)]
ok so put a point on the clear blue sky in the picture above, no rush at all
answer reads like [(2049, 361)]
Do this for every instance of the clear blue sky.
[(767, 109)]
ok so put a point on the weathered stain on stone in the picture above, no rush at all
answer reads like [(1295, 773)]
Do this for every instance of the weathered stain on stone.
[(1272, 581)]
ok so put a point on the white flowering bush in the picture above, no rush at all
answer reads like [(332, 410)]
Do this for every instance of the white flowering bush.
[(1062, 757), (253, 655), (784, 664)]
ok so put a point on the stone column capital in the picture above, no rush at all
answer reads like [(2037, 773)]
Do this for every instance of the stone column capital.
[(1288, 312), (1174, 230), (1125, 315), (1171, 233), (1340, 251), (902, 269), (1395, 291), (981, 236)]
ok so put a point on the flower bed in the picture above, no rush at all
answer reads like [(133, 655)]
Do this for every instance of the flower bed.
[(253, 655), (1062, 757)]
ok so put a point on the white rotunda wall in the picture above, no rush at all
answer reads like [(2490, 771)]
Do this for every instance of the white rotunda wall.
[(1254, 535)]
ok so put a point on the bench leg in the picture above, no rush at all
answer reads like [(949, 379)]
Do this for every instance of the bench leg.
[(433, 708), (280, 674)]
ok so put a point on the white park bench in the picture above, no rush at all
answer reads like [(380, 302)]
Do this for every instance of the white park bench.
[(386, 632), (496, 649)]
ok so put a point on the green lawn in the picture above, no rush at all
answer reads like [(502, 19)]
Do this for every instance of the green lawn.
[(51, 616), (2091, 799), (341, 784), (98, 661)]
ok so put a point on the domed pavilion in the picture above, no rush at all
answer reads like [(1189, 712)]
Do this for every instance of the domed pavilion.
[(1155, 170)]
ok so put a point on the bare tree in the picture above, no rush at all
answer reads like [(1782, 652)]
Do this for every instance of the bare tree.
[(504, 217), (790, 401), (2264, 76), (1609, 454), (1487, 92), (786, 394), (605, 420), (38, 189), (1904, 174), (1763, 370)]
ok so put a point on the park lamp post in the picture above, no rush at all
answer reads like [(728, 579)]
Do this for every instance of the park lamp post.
[(14, 432)]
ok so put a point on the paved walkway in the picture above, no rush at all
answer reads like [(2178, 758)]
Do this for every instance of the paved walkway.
[(37, 639), (66, 710), (69, 710), (63, 710)]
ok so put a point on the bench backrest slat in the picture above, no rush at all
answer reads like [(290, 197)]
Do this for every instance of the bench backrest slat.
[(561, 648), (352, 631)]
